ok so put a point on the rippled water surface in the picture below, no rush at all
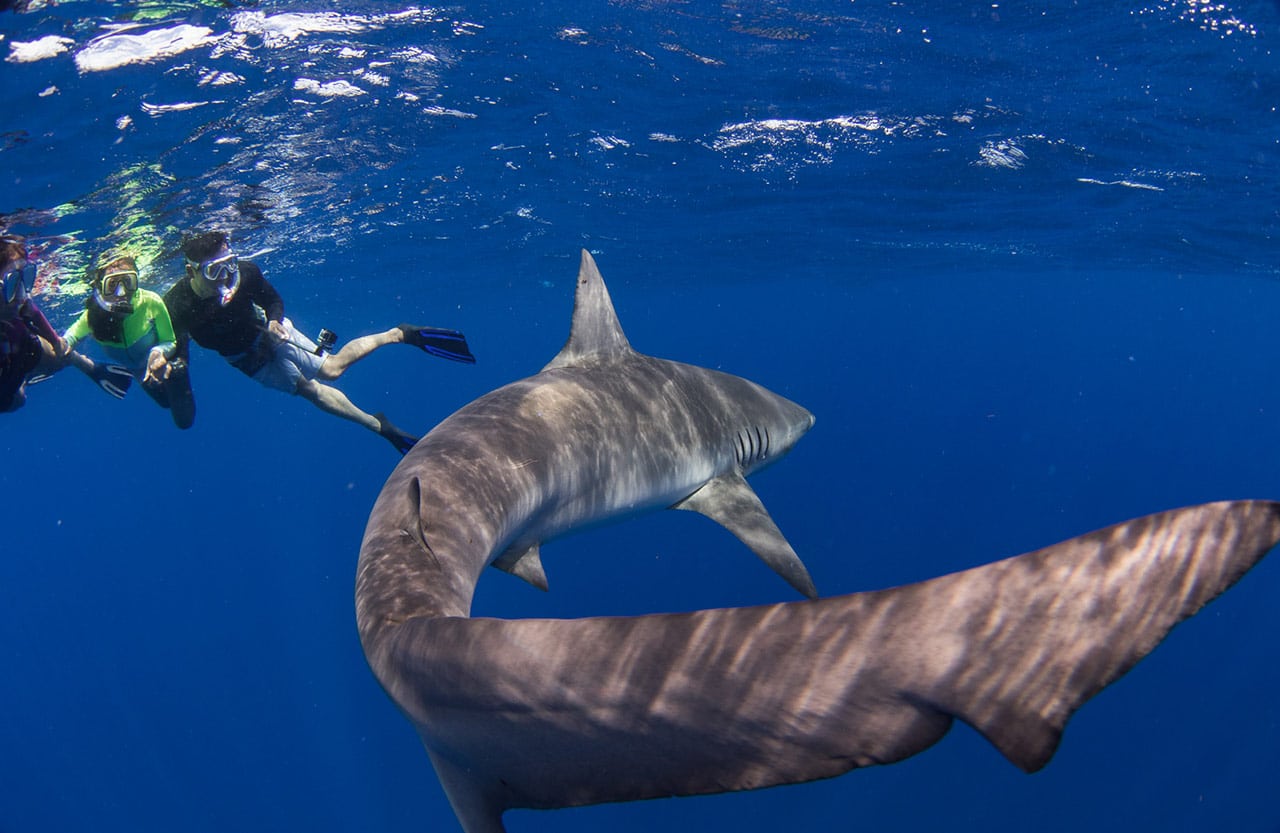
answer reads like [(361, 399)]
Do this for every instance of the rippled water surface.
[(1018, 259)]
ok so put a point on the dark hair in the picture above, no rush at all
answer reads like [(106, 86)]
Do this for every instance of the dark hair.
[(203, 245), (116, 260), (11, 249)]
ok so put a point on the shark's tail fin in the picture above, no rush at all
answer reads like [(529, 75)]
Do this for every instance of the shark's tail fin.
[(1036, 636)]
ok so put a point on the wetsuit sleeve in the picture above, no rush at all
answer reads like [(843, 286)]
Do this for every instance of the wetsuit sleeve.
[(179, 313), (77, 331), (264, 294), (40, 324), (175, 304), (164, 324)]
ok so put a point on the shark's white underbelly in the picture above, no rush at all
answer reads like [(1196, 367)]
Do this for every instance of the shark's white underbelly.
[(582, 501)]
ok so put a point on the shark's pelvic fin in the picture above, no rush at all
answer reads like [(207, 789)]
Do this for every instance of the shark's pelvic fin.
[(525, 564), (478, 810), (595, 333), (730, 502)]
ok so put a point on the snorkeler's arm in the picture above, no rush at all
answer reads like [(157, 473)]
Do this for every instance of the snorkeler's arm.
[(77, 331), (65, 346), (35, 318), (263, 293), (177, 305), (155, 310)]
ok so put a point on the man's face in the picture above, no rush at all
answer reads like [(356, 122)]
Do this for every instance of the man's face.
[(218, 275)]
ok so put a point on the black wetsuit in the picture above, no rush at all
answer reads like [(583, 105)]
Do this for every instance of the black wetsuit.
[(236, 330)]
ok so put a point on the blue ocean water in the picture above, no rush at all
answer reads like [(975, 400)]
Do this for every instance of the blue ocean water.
[(1017, 259)]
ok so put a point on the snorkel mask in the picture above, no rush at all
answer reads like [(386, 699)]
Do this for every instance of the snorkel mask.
[(221, 276), (17, 282), (114, 291)]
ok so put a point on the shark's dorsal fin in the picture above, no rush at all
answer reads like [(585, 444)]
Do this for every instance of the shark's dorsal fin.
[(733, 504), (595, 333), (525, 564)]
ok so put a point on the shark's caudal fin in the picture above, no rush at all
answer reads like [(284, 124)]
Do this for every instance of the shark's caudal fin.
[(1069, 620), (556, 713), (595, 331)]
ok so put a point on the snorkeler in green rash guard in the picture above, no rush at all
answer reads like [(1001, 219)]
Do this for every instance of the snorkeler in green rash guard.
[(30, 349), (133, 327)]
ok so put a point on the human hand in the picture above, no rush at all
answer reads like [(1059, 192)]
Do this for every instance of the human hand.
[(157, 367), (277, 329)]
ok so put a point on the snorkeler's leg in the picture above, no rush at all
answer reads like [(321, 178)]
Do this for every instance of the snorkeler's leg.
[(333, 401), (177, 387), (79, 361), (353, 351), (54, 357)]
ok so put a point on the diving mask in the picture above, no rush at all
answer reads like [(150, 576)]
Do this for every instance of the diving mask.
[(115, 291), (222, 273), (17, 282)]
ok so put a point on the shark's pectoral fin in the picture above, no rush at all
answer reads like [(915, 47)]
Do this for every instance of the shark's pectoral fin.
[(524, 563), (730, 502), (477, 808)]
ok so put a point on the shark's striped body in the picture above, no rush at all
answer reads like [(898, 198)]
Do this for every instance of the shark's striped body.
[(556, 713)]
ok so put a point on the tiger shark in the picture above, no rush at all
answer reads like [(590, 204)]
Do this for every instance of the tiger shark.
[(546, 713)]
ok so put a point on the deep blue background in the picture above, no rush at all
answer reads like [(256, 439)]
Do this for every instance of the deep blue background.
[(1018, 261)]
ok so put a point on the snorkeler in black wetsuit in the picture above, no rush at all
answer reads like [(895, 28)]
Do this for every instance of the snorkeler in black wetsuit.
[(29, 346), (28, 342), (226, 304), (232, 328), (26, 337)]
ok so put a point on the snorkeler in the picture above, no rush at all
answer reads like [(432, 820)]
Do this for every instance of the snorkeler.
[(133, 328), (30, 349), (227, 305)]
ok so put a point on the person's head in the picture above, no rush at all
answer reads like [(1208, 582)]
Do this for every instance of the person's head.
[(204, 245), (212, 268), (115, 283), (17, 273)]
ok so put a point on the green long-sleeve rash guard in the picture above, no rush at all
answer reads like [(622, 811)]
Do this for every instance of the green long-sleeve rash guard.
[(146, 327)]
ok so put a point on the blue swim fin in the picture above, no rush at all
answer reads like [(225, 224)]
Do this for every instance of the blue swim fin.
[(445, 344)]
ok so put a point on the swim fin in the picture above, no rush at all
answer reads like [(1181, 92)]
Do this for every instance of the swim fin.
[(113, 379), (401, 440), (445, 344)]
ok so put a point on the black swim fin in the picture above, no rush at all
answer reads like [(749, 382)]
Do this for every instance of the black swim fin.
[(113, 379), (401, 440), (445, 344)]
